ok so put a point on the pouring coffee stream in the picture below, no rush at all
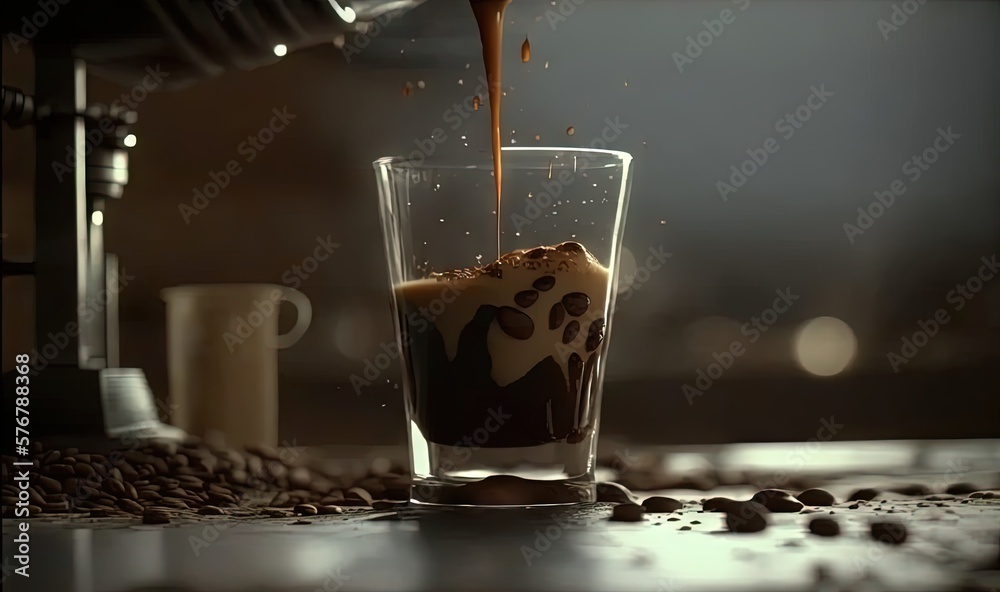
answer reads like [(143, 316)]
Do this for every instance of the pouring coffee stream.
[(489, 16)]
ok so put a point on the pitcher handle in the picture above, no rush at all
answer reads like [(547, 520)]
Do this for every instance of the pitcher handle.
[(301, 303)]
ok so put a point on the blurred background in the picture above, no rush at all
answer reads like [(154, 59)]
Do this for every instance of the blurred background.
[(687, 116)]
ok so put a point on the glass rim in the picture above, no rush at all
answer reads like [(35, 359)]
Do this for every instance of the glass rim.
[(390, 161)]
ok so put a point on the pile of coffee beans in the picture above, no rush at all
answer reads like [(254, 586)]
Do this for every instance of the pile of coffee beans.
[(158, 479)]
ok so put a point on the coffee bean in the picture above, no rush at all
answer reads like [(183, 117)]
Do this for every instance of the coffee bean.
[(102, 502), (115, 487), (128, 472), (36, 496), (912, 489), (33, 510), (891, 533), (149, 495), (280, 499), (627, 513), (571, 331), (613, 493), (746, 516), (853, 506), (658, 504), (98, 513), (544, 283), (49, 484), (166, 482), (525, 298), (571, 247), (268, 452), (9, 500), (716, 504), (326, 509), (61, 470), (357, 494), (179, 460), (866, 494), (306, 510), (595, 335), (174, 502), (816, 497), (981, 495), (515, 323), (191, 482), (299, 477), (576, 303), (334, 497), (825, 527), (300, 522), (776, 500), (130, 506), (684, 528), (50, 457), (557, 314), (211, 511), (961, 489)]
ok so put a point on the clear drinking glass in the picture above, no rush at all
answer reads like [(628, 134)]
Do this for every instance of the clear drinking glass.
[(504, 360)]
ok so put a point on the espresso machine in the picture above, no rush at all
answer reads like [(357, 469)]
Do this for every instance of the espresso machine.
[(81, 163)]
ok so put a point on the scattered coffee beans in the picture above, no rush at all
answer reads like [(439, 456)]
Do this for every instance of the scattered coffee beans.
[(816, 497), (776, 500), (826, 527), (627, 513), (657, 504)]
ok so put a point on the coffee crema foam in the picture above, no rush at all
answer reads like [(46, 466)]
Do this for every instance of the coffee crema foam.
[(550, 302)]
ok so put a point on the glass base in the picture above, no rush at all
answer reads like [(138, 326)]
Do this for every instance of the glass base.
[(552, 474), (501, 491)]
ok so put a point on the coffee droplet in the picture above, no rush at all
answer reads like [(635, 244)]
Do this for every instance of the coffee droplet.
[(407, 88), (576, 303), (537, 137), (570, 131), (595, 334), (544, 283), (526, 50), (515, 323), (536, 253), (550, 169), (475, 103), (571, 331), (556, 316), (526, 298)]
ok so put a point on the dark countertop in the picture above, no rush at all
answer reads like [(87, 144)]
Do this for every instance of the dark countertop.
[(950, 545)]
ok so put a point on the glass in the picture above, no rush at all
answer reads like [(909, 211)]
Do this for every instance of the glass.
[(503, 361)]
